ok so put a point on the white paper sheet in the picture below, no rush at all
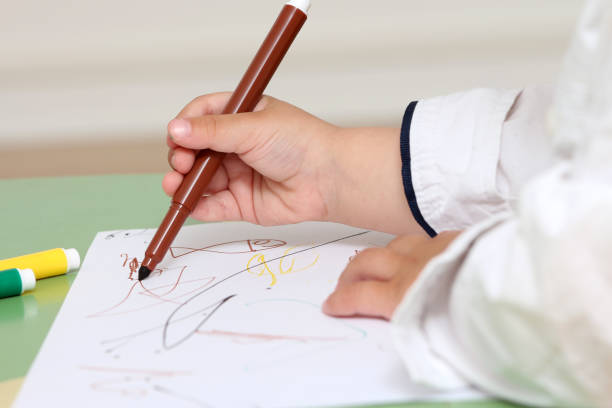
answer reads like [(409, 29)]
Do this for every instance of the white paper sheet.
[(231, 318)]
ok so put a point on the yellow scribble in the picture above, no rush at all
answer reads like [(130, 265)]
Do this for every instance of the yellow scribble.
[(290, 269), (265, 269), (261, 267)]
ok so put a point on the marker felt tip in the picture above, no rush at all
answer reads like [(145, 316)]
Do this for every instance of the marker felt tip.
[(53, 262), (13, 282)]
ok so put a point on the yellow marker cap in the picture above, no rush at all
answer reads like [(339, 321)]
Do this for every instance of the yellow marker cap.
[(53, 262)]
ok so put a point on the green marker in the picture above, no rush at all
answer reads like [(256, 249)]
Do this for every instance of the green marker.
[(13, 282)]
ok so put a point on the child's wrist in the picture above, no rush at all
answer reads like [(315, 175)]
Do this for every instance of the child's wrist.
[(330, 171), (338, 174), (364, 185)]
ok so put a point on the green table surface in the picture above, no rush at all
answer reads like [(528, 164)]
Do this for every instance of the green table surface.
[(45, 213)]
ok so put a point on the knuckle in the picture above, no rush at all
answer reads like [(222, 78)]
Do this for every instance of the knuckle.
[(347, 275), (207, 127), (198, 99), (265, 102), (358, 294), (374, 259), (368, 254), (384, 256), (193, 105)]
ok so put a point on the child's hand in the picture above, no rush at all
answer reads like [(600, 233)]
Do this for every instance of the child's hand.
[(375, 281), (286, 166), (277, 167)]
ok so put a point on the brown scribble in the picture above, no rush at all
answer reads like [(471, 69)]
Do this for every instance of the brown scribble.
[(249, 245), (353, 256), (150, 292), (134, 265), (138, 384)]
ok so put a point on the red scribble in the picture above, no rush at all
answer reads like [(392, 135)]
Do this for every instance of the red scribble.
[(134, 265), (149, 293), (353, 256), (125, 260), (122, 386), (132, 383), (266, 337), (118, 304), (178, 279), (252, 245), (249, 245)]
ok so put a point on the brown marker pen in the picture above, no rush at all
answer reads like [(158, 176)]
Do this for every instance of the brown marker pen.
[(245, 97)]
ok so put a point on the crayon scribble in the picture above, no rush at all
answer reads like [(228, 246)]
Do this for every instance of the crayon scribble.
[(199, 320), (233, 247), (264, 269), (139, 287)]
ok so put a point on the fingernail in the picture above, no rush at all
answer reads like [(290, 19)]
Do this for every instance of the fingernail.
[(172, 162), (179, 128)]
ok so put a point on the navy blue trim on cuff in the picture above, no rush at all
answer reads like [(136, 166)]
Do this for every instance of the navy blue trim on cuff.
[(407, 172)]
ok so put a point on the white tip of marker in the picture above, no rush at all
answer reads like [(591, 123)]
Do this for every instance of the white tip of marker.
[(303, 5), (28, 281), (73, 258)]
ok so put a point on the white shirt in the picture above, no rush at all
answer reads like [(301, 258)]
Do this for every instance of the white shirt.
[(520, 304)]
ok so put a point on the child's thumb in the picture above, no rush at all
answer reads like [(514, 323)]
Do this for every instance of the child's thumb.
[(222, 133)]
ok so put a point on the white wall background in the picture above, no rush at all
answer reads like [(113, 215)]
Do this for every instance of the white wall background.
[(93, 70)]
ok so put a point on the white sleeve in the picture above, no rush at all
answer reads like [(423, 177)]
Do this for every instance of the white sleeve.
[(520, 307), (465, 156)]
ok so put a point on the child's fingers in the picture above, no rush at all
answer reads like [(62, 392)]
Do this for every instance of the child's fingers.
[(219, 181), (210, 104), (181, 159), (170, 143), (221, 206), (171, 182), (214, 103), (173, 179), (170, 154), (202, 105), (364, 298), (371, 264), (223, 133)]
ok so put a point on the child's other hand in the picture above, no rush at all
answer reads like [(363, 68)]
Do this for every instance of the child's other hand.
[(375, 281), (278, 163)]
